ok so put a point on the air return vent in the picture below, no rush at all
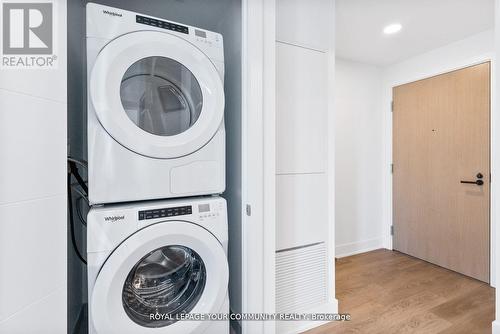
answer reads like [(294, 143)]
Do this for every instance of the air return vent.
[(301, 278)]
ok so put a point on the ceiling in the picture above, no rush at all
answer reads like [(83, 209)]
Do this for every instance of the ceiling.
[(427, 24)]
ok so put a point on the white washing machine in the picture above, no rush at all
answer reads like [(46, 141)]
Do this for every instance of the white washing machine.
[(150, 262), (155, 108)]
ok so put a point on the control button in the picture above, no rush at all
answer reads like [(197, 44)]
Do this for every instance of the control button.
[(161, 24), (166, 212)]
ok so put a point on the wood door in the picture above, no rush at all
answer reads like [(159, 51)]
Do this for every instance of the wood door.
[(441, 136)]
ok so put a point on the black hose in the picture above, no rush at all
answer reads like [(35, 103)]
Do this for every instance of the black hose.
[(76, 174), (79, 210), (71, 220), (78, 162), (79, 192)]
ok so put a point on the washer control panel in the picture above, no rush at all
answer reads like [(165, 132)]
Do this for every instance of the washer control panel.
[(166, 212), (208, 211), (161, 24)]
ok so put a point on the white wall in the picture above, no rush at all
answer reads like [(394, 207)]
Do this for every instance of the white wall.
[(358, 157), (33, 195)]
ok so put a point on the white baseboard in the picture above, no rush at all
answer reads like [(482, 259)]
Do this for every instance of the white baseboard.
[(358, 247), (387, 242), (495, 327)]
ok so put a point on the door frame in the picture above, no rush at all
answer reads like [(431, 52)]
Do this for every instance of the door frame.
[(258, 163), (496, 232), (387, 191)]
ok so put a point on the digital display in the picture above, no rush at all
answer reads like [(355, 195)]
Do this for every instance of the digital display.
[(204, 208), (200, 33)]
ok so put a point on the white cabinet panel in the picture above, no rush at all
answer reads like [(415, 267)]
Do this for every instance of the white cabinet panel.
[(32, 255), (32, 147), (46, 316), (301, 210), (302, 110), (307, 23)]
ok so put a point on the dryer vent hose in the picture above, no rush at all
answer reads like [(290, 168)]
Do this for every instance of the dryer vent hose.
[(73, 171)]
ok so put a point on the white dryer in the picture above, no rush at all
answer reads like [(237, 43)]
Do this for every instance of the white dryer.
[(155, 108), (151, 262)]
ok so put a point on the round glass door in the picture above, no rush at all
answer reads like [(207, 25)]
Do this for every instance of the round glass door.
[(168, 281), (156, 94), (161, 96), (163, 269)]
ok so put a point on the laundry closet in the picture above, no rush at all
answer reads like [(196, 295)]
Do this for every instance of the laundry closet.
[(270, 220), (162, 88)]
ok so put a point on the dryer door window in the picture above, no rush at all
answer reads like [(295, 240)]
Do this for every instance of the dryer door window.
[(166, 282), (156, 94), (161, 96)]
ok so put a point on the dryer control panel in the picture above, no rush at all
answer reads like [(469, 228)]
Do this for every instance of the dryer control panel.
[(161, 24), (166, 212)]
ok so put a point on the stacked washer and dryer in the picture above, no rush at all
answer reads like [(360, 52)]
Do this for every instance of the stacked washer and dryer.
[(157, 231)]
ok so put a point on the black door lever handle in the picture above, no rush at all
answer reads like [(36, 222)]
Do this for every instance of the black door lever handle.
[(477, 182)]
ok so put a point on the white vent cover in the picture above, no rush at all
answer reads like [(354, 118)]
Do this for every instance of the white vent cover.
[(301, 278)]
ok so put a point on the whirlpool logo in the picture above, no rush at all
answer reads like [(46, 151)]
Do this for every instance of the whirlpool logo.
[(114, 219), (28, 39), (108, 12)]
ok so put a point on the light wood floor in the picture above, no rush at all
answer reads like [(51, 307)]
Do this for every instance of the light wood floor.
[(389, 292)]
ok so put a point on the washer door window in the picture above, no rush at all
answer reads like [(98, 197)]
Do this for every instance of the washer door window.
[(157, 94), (169, 280), (158, 273)]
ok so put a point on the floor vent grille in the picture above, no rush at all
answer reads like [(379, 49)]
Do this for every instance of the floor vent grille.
[(301, 278)]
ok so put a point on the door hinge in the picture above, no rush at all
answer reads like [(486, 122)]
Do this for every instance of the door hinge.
[(392, 168), (392, 229), (249, 210), (392, 106)]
